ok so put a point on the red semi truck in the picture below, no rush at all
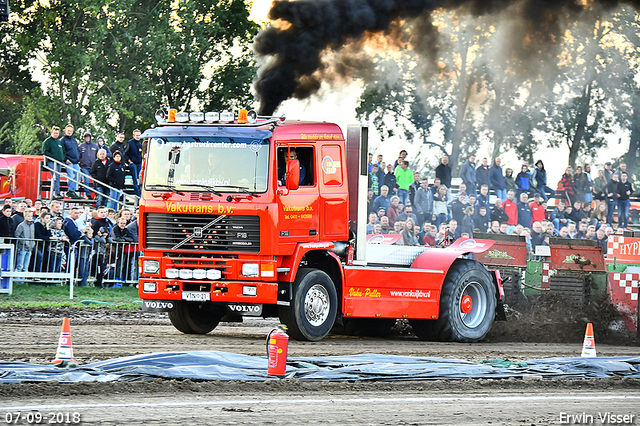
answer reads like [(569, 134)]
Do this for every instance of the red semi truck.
[(258, 216)]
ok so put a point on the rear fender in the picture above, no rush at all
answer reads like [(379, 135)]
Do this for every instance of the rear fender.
[(442, 259)]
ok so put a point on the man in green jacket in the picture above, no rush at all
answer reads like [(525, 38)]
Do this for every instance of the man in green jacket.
[(404, 179), (54, 148)]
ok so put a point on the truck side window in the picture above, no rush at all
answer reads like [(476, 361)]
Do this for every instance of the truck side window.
[(302, 154)]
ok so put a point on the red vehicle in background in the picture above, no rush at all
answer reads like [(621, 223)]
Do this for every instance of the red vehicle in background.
[(20, 176), (258, 216)]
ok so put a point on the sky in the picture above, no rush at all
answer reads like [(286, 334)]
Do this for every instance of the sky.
[(338, 104)]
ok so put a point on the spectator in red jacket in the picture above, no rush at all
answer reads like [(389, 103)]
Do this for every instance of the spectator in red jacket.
[(538, 209), (510, 207)]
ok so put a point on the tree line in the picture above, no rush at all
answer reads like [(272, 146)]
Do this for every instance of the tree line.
[(108, 65), (476, 88)]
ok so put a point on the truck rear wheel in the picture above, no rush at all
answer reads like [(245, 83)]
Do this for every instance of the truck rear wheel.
[(467, 306), (194, 318), (312, 311)]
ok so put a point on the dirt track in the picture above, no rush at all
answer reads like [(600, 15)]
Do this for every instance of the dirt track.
[(31, 335)]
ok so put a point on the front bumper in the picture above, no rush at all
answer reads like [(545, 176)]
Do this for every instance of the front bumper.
[(220, 291)]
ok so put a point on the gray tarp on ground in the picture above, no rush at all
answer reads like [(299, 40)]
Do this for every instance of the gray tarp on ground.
[(212, 365)]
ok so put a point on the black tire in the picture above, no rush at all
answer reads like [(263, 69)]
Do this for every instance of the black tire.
[(313, 309), (194, 318), (368, 327), (465, 278)]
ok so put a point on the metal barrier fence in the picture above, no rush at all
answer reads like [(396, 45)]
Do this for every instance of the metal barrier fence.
[(115, 264)]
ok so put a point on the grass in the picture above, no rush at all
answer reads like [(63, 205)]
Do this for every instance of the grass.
[(29, 295)]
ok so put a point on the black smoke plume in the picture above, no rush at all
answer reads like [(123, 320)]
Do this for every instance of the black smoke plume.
[(320, 40)]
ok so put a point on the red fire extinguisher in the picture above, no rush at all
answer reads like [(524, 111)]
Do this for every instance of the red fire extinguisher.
[(277, 343), (350, 252)]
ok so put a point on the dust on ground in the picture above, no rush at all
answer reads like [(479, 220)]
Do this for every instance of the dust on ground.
[(553, 319)]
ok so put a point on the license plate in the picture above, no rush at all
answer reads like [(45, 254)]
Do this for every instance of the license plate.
[(196, 296), (246, 309)]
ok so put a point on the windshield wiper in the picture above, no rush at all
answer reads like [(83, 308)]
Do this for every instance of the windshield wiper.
[(207, 187), (169, 187), (242, 188)]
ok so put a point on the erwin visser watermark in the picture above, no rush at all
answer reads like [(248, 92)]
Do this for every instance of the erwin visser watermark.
[(606, 418)]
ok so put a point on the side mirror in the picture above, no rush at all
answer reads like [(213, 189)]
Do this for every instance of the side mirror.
[(293, 175)]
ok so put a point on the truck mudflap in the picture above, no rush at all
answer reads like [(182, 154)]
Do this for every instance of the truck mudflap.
[(158, 305), (497, 281), (245, 309)]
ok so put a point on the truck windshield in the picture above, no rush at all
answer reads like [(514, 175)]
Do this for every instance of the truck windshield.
[(220, 163)]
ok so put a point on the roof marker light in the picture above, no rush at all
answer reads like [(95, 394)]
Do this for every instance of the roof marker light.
[(242, 116), (182, 117), (211, 117), (252, 116), (196, 117), (227, 117)]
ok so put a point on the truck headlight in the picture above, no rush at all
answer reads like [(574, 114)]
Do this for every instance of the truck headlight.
[(213, 274), (199, 274), (150, 287), (249, 290), (186, 274), (151, 266), (250, 269)]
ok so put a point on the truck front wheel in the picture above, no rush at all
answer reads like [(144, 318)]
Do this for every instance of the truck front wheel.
[(312, 311), (467, 306), (194, 318)]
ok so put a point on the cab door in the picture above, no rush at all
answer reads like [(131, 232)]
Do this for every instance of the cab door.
[(298, 209), (333, 193)]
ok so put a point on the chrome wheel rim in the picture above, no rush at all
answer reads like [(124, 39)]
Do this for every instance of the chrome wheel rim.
[(317, 305)]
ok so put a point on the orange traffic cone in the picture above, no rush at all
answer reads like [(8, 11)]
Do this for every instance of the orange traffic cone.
[(589, 345), (64, 352)]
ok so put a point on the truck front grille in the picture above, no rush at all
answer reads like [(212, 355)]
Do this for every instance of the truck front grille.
[(185, 232)]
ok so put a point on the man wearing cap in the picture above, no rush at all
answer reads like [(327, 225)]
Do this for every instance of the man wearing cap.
[(88, 154), (72, 158), (608, 172)]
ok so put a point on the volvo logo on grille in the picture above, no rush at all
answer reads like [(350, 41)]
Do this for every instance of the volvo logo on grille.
[(197, 231)]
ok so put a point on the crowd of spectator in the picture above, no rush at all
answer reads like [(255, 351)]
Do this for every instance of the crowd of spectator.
[(106, 165), (44, 237), (425, 212)]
